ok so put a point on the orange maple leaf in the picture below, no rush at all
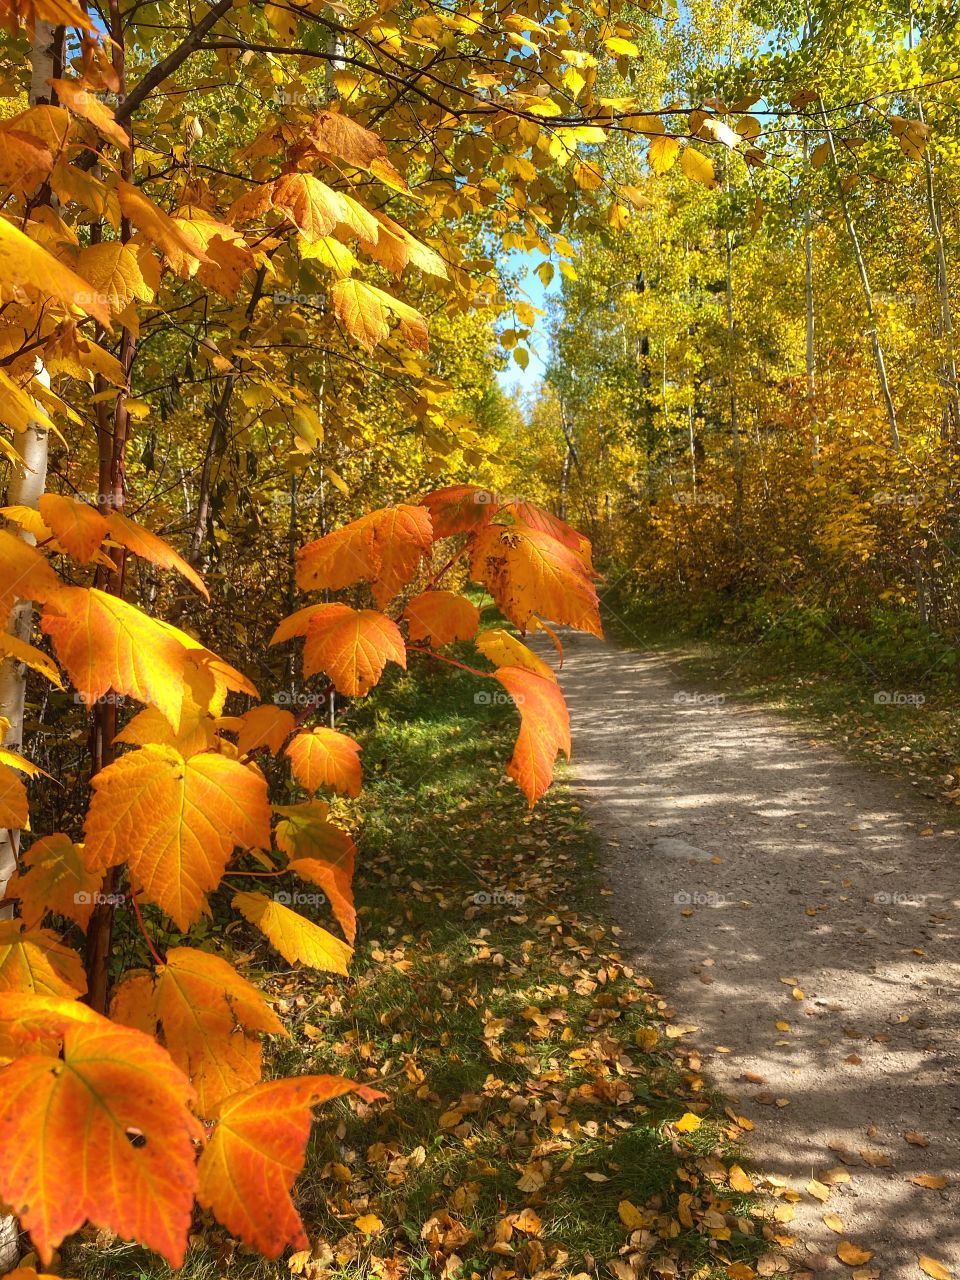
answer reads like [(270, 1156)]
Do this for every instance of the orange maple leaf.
[(322, 854), (175, 822), (460, 508), (325, 758), (383, 547), (544, 729), (26, 573), (106, 643), (255, 1153), (102, 1131), (148, 546), (264, 726), (352, 646), (53, 876), (441, 617), (205, 1012), (36, 960), (529, 572)]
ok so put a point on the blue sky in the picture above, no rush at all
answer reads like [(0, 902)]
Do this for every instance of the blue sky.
[(523, 265)]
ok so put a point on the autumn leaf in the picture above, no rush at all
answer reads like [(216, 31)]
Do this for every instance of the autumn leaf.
[(697, 167), (440, 617), (662, 152), (325, 758), (24, 264), (35, 960), (14, 805), (13, 647), (26, 573), (544, 729), (853, 1254), (688, 1123), (293, 935), (931, 1267), (208, 1017), (265, 726), (176, 823), (461, 508), (256, 1152), (107, 644), (383, 547), (529, 572), (83, 102), (322, 854), (148, 546), (158, 227), (364, 312), (150, 726), (352, 646), (312, 206), (101, 1131), (505, 650), (534, 517), (52, 876), (78, 527)]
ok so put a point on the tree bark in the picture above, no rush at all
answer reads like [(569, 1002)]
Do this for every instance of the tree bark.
[(873, 331)]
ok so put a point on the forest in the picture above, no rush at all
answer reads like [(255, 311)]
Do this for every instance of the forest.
[(352, 355)]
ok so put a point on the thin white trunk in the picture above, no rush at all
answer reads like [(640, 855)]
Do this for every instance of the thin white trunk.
[(25, 488)]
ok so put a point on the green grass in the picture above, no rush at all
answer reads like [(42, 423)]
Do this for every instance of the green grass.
[(824, 676), (526, 1067)]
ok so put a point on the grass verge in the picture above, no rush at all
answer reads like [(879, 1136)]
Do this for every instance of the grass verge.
[(543, 1118)]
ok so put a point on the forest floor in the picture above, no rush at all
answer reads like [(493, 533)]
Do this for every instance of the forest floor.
[(800, 911)]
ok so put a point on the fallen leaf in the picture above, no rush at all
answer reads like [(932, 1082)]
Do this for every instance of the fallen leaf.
[(932, 1181), (689, 1123), (931, 1267), (853, 1254)]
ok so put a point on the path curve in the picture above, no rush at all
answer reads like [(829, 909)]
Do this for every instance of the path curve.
[(746, 862)]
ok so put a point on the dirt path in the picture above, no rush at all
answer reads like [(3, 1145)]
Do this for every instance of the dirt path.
[(763, 880)]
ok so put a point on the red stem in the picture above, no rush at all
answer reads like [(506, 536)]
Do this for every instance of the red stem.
[(143, 929), (416, 648)]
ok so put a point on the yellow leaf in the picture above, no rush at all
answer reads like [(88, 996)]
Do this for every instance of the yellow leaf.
[(931, 1267), (630, 1215), (739, 1180), (931, 1181), (368, 1223), (834, 1222), (689, 1123), (853, 1254), (293, 935), (697, 167), (662, 153)]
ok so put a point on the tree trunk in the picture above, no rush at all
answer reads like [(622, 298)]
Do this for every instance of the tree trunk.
[(810, 319), (865, 283)]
